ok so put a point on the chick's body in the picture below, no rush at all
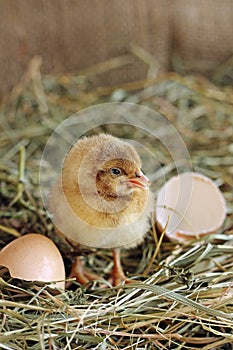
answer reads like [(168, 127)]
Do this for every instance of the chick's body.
[(102, 198)]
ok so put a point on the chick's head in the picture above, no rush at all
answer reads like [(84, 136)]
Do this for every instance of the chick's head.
[(109, 167), (104, 173)]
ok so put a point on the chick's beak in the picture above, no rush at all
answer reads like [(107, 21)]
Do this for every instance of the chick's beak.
[(140, 180)]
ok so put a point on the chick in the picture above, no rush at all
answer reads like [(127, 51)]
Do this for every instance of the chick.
[(102, 199)]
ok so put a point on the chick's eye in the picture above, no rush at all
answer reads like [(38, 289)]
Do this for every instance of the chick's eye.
[(115, 171)]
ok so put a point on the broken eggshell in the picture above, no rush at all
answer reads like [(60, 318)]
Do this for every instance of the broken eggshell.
[(188, 206), (34, 257)]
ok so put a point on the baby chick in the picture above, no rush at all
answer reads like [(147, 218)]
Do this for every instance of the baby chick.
[(102, 199)]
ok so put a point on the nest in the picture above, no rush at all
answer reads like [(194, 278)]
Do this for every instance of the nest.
[(181, 294)]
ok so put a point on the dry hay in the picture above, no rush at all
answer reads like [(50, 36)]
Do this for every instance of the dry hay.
[(181, 295)]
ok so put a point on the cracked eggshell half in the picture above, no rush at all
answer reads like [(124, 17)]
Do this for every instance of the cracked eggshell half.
[(188, 206), (34, 257)]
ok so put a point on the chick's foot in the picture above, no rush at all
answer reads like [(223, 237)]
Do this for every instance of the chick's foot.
[(81, 274), (117, 275)]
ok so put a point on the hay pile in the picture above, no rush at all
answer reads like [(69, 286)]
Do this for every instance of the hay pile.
[(181, 296)]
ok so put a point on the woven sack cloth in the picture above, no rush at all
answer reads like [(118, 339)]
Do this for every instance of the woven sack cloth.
[(113, 41)]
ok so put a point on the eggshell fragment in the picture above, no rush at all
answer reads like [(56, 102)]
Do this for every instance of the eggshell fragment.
[(188, 206), (34, 257)]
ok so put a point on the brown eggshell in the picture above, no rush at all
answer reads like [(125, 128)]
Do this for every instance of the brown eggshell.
[(34, 257), (190, 205)]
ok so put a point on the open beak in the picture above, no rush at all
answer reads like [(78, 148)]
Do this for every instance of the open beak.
[(140, 180)]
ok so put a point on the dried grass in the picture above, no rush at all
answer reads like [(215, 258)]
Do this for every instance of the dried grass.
[(181, 295)]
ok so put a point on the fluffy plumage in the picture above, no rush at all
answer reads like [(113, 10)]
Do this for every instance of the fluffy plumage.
[(102, 198)]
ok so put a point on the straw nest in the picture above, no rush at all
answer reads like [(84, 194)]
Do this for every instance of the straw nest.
[(181, 295)]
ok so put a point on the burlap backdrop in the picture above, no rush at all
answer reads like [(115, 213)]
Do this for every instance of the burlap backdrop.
[(72, 35)]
